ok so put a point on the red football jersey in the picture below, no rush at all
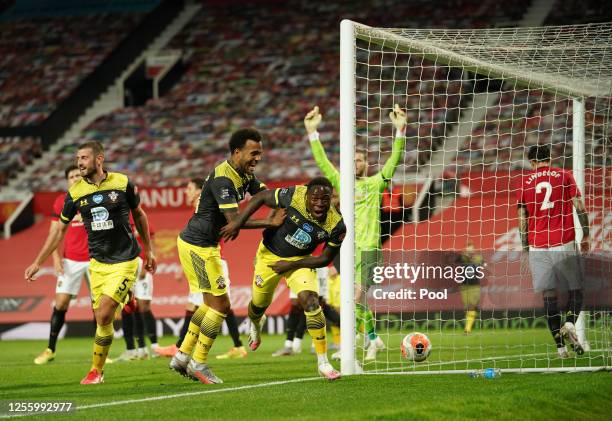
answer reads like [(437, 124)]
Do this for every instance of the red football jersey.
[(547, 194), (75, 241)]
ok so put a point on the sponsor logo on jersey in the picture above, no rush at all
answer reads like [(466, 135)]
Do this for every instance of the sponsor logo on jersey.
[(258, 281), (224, 193), (100, 219), (83, 202), (308, 228), (300, 239), (113, 196), (295, 219), (98, 198)]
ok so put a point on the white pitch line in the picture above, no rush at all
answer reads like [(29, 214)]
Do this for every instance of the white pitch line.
[(200, 392), (174, 396)]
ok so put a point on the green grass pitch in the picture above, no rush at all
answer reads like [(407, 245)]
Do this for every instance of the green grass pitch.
[(257, 388)]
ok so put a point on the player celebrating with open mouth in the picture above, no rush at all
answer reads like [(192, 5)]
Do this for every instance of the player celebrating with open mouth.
[(285, 252)]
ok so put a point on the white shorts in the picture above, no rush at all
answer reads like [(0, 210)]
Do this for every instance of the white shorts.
[(556, 268), (322, 276), (197, 298), (143, 288), (70, 281)]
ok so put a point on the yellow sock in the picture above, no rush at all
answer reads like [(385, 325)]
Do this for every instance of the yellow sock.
[(335, 330), (211, 325), (315, 323), (193, 332), (470, 317), (102, 343)]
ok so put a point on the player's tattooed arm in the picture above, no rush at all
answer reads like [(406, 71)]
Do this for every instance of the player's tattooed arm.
[(236, 221), (583, 218), (142, 225), (523, 226)]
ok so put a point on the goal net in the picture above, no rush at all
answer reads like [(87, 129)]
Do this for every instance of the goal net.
[(449, 263)]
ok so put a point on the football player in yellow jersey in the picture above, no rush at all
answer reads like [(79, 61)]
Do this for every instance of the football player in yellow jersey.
[(285, 252), (104, 200), (199, 252)]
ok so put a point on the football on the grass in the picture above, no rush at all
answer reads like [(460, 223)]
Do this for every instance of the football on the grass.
[(416, 346)]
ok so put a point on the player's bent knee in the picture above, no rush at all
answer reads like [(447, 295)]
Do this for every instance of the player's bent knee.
[(62, 301), (105, 313), (220, 303), (144, 306), (309, 300)]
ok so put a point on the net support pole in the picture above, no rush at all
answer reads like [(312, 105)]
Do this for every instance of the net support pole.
[(578, 160), (347, 195)]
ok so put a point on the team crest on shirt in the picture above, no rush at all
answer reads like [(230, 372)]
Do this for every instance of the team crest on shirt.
[(113, 196), (320, 235), (220, 282), (258, 281), (98, 198)]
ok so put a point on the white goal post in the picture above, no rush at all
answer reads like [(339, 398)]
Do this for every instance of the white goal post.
[(568, 67)]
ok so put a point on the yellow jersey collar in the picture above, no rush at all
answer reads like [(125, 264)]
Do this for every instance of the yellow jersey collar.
[(101, 182)]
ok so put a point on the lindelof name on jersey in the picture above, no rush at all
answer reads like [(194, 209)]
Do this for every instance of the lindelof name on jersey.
[(100, 219), (549, 173)]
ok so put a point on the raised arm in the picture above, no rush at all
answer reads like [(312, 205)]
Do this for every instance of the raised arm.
[(398, 117), (311, 123)]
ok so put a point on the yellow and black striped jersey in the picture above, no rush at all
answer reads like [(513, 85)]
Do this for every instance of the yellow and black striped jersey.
[(105, 210), (222, 190), (301, 233)]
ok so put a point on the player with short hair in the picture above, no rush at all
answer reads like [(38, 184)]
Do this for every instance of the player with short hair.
[(368, 198), (70, 268), (199, 253), (285, 252), (546, 198), (104, 200)]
